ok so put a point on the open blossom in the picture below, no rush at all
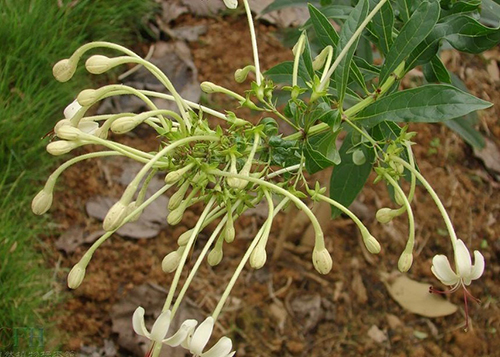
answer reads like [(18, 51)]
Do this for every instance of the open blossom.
[(465, 270), (463, 275), (187, 336)]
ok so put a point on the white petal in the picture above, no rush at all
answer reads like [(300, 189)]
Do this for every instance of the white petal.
[(88, 126), (231, 4), (160, 327), (462, 259), (138, 322), (71, 109), (442, 270), (478, 267), (201, 336), (182, 334), (221, 348), (231, 354)]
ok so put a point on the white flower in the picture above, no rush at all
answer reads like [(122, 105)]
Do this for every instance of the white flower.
[(191, 339), (87, 126), (200, 339), (160, 328), (465, 270)]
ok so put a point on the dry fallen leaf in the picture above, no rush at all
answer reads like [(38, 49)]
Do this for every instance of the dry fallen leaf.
[(377, 334), (490, 156), (415, 297)]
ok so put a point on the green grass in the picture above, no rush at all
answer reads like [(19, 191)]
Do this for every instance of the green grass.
[(33, 36)]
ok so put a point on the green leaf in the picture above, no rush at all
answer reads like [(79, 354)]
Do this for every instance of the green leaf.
[(350, 26), (490, 14), (328, 36), (321, 151), (413, 33), (461, 7), (426, 104), (282, 73), (281, 4), (382, 26), (336, 12), (463, 32), (348, 179), (405, 9), (464, 127), (436, 72)]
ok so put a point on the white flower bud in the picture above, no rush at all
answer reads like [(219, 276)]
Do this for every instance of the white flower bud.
[(371, 244), (64, 70), (404, 262), (175, 216), (87, 97), (322, 260), (68, 132), (124, 125), (229, 233), (75, 276), (209, 87), (384, 215), (41, 202), (174, 176), (176, 199), (98, 64), (130, 208), (398, 198), (61, 147), (61, 123), (258, 257), (184, 238), (320, 59), (72, 109), (171, 261), (231, 4), (215, 256), (115, 216), (241, 74), (358, 157)]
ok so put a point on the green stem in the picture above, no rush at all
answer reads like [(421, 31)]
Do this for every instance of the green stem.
[(345, 210), (435, 197), (254, 42), (190, 243)]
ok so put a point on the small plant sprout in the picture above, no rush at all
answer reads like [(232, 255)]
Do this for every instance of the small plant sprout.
[(231, 168)]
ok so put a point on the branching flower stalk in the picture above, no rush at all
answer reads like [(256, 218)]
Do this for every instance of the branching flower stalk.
[(234, 167)]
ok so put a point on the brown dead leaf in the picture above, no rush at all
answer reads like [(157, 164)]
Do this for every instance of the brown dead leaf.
[(490, 156), (307, 309), (75, 237), (359, 288), (415, 297)]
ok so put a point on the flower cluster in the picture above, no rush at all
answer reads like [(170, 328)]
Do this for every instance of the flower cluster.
[(234, 167)]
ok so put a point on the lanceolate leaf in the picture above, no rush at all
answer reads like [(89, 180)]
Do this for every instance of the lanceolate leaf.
[(462, 32), (328, 36), (405, 8), (413, 33), (281, 4), (465, 128), (347, 178), (436, 72), (350, 26), (321, 151), (430, 103), (382, 27), (282, 73)]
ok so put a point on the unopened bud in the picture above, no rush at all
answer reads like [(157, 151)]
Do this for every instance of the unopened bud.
[(209, 87), (404, 262), (229, 233), (131, 208), (184, 238), (371, 244), (174, 176), (61, 147), (87, 97), (398, 198), (384, 215), (68, 132), (178, 196), (322, 260), (215, 256), (258, 257), (358, 157), (61, 123), (175, 216), (123, 125), (241, 74), (171, 261), (72, 109), (231, 4), (115, 216), (41, 202), (98, 64), (320, 59), (76, 275), (64, 70)]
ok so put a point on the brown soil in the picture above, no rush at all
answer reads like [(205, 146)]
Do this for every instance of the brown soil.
[(320, 315)]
